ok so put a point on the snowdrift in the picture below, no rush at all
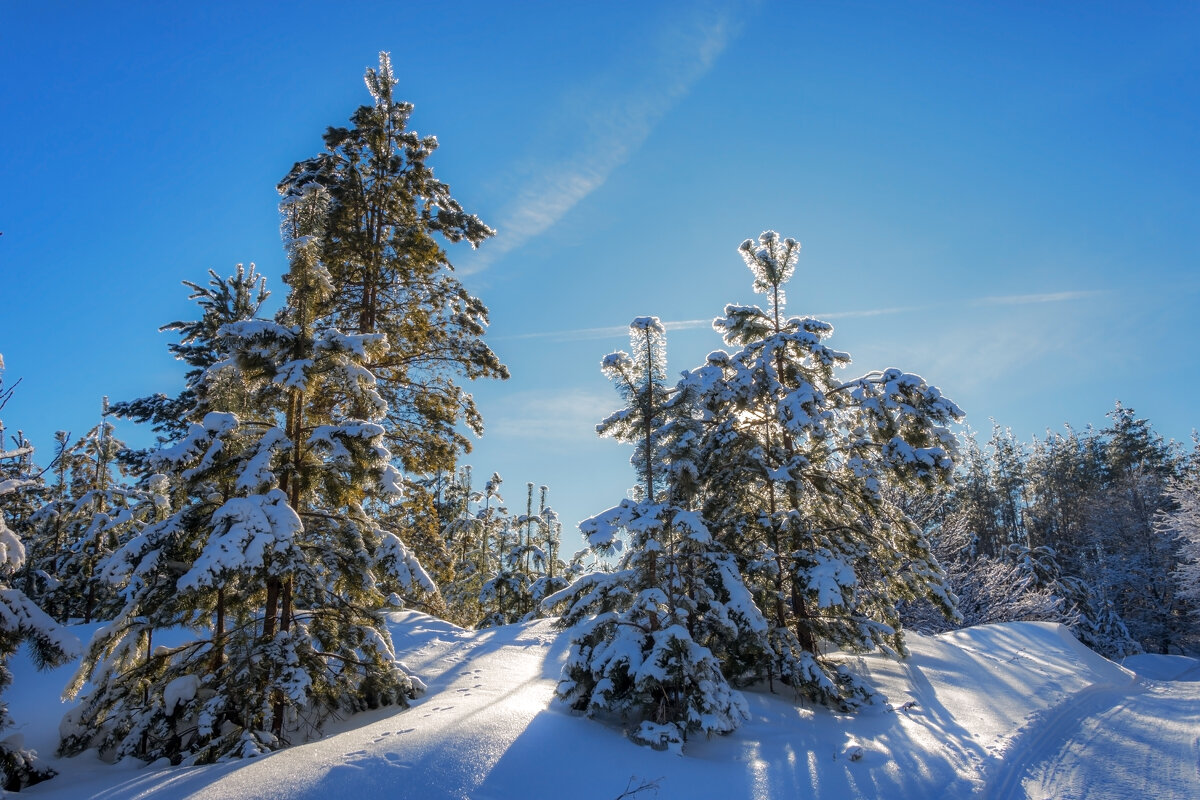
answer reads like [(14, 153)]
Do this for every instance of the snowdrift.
[(1164, 668), (980, 712)]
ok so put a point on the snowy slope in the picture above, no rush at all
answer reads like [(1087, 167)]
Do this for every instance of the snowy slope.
[(999, 711)]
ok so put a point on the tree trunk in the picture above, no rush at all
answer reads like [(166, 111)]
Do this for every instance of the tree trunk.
[(219, 632)]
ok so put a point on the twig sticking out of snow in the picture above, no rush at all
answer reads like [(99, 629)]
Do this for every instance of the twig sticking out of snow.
[(852, 752), (644, 785), (908, 706)]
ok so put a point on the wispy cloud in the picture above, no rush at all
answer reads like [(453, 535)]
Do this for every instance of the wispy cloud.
[(996, 300), (550, 417), (619, 331), (617, 122), (990, 351), (871, 312), (1002, 344), (607, 332), (1031, 299), (579, 334), (685, 324)]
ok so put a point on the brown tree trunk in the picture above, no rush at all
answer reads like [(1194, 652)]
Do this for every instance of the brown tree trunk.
[(219, 632)]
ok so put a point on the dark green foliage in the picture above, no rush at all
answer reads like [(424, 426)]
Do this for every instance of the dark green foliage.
[(284, 544), (232, 299), (380, 245)]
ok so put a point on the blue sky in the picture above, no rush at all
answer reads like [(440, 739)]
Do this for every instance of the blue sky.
[(1000, 197)]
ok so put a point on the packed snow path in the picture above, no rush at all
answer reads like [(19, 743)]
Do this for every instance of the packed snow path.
[(1110, 743)]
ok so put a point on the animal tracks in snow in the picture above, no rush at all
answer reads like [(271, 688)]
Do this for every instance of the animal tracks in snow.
[(383, 736)]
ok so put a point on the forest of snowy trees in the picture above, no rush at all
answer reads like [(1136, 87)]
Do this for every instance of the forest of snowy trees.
[(310, 473)]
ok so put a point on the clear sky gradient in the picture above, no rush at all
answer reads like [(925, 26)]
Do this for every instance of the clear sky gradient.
[(1004, 198)]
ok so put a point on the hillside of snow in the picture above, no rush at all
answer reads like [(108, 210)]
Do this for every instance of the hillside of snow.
[(1002, 711)]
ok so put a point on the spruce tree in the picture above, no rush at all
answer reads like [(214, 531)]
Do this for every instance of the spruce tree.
[(380, 244)]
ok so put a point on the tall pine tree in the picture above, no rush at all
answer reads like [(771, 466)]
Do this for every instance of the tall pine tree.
[(380, 245), (275, 557)]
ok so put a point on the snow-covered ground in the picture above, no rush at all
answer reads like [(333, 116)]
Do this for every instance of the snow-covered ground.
[(1002, 711)]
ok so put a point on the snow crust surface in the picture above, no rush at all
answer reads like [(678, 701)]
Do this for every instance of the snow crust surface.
[(1000, 711)]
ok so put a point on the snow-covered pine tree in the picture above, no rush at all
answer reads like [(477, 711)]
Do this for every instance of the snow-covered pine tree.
[(20, 618), (209, 428), (638, 633), (334, 466), (21, 508), (380, 244), (1069, 516), (1009, 479), (105, 511), (551, 578), (795, 467), (274, 561), (143, 697), (1066, 473), (1130, 556), (234, 298), (1093, 496), (1183, 524), (526, 566), (973, 506), (46, 537), (465, 531), (989, 493), (504, 593)]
